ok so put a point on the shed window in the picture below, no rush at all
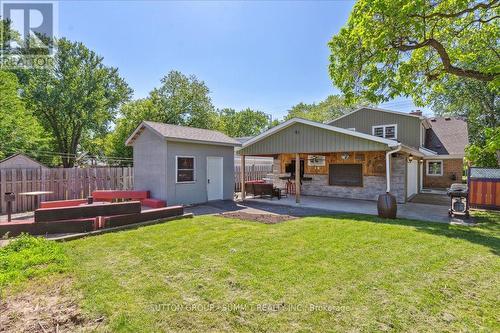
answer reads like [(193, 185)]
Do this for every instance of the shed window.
[(434, 168), (385, 131), (346, 174), (185, 169)]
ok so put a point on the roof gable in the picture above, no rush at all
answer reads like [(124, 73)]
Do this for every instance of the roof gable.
[(378, 110), (447, 136), (23, 159), (301, 135), (183, 133)]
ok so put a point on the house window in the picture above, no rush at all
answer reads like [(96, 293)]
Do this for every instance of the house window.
[(345, 174), (385, 131), (184, 169), (434, 168)]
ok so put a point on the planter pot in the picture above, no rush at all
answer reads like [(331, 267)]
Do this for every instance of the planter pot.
[(387, 206)]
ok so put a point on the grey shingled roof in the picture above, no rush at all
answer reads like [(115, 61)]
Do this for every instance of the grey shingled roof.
[(447, 135), (191, 134)]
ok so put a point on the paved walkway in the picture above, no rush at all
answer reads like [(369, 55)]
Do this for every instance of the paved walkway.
[(320, 205)]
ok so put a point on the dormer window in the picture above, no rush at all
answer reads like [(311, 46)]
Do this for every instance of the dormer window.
[(386, 131)]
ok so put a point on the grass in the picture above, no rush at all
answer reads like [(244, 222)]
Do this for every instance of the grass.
[(28, 257), (340, 273)]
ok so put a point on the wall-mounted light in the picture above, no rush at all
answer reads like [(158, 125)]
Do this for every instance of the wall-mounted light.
[(421, 160), (410, 158)]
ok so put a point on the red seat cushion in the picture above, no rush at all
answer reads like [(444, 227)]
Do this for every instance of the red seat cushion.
[(153, 203), (109, 195)]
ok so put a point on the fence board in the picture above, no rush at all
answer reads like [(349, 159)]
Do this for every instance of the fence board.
[(74, 183), (252, 172)]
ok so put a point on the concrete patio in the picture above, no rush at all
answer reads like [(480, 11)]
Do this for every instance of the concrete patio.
[(410, 210)]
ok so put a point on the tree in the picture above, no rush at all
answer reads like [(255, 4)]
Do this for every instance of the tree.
[(131, 115), (403, 47), (20, 131), (469, 99), (180, 100), (183, 100), (246, 122), (486, 154), (332, 107), (76, 99)]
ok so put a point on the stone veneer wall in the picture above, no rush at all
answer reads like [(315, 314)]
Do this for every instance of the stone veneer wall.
[(373, 186)]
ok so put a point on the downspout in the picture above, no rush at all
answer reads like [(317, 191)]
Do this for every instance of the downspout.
[(388, 166)]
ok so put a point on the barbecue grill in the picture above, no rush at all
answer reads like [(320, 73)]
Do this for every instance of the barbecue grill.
[(458, 194)]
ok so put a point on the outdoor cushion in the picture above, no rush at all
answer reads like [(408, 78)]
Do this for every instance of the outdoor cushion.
[(62, 203), (67, 213), (153, 203)]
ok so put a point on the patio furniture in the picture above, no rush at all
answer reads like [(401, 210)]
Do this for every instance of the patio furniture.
[(259, 188), (35, 196), (142, 196), (87, 211)]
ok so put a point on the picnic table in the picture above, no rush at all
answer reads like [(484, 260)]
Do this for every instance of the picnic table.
[(35, 196)]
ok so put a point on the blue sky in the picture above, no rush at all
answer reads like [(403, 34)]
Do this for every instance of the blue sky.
[(264, 55)]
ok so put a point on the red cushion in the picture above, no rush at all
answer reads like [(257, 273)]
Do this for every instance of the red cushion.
[(106, 195), (62, 203), (153, 203)]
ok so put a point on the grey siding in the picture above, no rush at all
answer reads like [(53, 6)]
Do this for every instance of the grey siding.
[(302, 138), (408, 127), (150, 160), (190, 193)]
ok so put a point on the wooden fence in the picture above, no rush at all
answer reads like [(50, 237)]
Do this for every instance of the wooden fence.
[(74, 183), (252, 172), (484, 188)]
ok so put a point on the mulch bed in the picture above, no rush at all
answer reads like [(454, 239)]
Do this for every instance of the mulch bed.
[(262, 218)]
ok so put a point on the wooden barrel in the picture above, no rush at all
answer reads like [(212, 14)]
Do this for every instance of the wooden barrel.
[(387, 206)]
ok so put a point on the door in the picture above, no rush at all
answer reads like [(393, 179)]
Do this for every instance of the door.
[(412, 179), (215, 178)]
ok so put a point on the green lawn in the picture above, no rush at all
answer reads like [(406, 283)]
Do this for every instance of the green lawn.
[(342, 273)]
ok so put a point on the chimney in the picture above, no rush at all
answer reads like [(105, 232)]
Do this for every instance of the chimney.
[(416, 112)]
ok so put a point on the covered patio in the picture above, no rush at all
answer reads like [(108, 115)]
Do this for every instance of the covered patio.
[(315, 159)]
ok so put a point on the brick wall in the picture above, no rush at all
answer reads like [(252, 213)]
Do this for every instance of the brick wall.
[(452, 167)]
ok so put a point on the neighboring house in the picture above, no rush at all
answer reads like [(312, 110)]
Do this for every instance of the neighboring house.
[(183, 165), (20, 161), (359, 155)]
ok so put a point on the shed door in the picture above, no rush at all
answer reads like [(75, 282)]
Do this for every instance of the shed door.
[(412, 180), (215, 178)]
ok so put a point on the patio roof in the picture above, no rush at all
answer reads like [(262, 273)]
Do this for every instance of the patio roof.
[(301, 136)]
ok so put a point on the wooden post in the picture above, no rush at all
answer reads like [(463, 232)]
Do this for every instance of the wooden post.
[(242, 176), (297, 178)]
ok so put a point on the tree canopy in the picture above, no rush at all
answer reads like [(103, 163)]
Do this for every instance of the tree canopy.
[(404, 47), (76, 99), (181, 100), (19, 129), (246, 122), (332, 107)]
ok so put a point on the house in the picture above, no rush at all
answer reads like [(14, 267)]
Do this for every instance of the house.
[(359, 155), (183, 165), (440, 140), (20, 161)]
